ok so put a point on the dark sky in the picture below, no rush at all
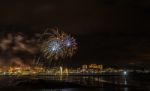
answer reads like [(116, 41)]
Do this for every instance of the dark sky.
[(111, 32)]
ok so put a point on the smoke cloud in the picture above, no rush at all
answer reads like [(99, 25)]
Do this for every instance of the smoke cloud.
[(17, 49)]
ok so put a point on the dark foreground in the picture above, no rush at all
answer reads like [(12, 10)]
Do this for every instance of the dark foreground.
[(75, 83), (42, 85)]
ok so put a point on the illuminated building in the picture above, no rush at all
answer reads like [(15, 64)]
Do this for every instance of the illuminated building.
[(95, 66), (84, 66)]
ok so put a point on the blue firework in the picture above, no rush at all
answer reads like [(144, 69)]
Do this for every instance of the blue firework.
[(53, 49), (54, 46), (70, 45), (68, 41)]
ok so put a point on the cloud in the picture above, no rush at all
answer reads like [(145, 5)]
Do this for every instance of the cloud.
[(17, 50)]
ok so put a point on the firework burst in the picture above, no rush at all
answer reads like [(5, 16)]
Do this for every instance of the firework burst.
[(52, 49), (70, 45), (58, 45)]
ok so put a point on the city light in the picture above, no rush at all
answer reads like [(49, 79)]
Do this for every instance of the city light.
[(125, 73), (96, 69)]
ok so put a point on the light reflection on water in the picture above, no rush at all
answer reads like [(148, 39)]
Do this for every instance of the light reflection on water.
[(85, 89), (89, 80), (79, 89), (82, 80)]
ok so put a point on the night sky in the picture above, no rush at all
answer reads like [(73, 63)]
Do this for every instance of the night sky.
[(110, 32)]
